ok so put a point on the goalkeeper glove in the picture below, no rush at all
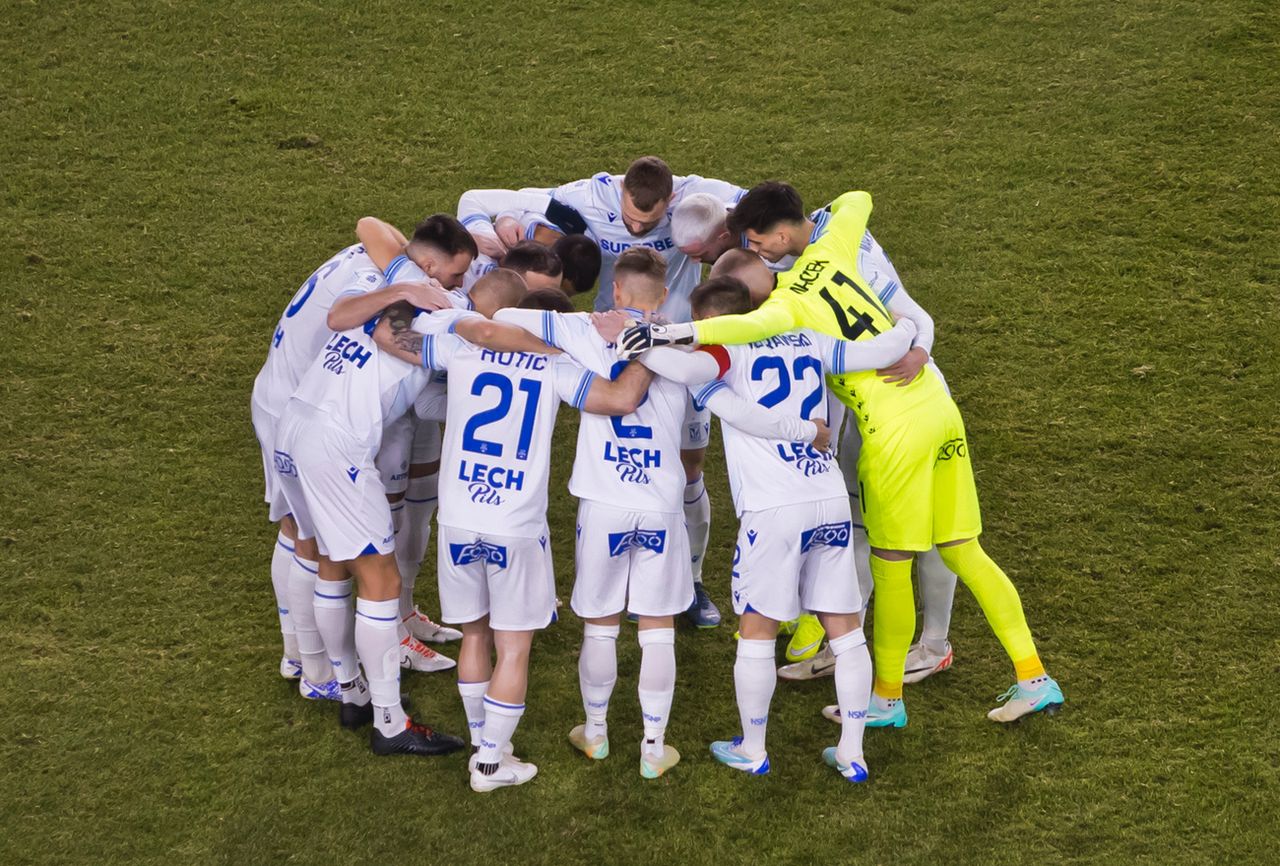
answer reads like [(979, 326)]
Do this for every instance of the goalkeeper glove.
[(643, 336)]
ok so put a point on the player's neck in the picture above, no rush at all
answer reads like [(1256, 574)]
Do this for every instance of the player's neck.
[(801, 239)]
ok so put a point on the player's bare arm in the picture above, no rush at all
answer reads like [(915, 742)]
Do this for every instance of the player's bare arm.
[(351, 311), (620, 396), (381, 240)]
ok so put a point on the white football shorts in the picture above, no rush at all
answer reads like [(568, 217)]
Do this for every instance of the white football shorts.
[(393, 453), (633, 560), (796, 558), (264, 427), (696, 432), (332, 486), (509, 578)]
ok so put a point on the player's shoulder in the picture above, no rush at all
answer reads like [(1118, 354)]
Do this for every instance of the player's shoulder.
[(599, 190)]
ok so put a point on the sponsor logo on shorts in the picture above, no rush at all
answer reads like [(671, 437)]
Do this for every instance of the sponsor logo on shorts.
[(478, 551), (284, 464), (952, 448), (826, 535), (637, 539)]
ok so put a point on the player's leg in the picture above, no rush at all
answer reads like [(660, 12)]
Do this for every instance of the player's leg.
[(336, 624), (895, 624), (264, 427), (766, 572), (281, 565), (520, 585), (703, 613), (420, 499), (378, 645), (599, 596), (829, 584), (317, 680), (937, 592), (957, 524)]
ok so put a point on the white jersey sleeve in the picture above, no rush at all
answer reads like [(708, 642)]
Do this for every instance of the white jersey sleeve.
[(571, 333), (690, 184), (478, 208), (846, 356)]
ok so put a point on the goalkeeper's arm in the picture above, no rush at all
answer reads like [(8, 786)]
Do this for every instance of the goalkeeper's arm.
[(767, 321)]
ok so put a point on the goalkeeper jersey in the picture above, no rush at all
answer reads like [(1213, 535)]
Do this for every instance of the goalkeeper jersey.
[(823, 291)]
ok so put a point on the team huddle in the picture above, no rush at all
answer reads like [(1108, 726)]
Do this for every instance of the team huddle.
[(423, 375)]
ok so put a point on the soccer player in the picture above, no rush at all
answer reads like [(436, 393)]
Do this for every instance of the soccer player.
[(494, 563), (914, 468), (619, 212), (323, 302), (793, 550)]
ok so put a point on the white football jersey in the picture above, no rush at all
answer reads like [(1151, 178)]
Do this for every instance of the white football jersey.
[(630, 461), (496, 457), (787, 373), (303, 327), (599, 200)]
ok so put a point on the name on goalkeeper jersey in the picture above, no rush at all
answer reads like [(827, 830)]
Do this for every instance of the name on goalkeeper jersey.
[(811, 274)]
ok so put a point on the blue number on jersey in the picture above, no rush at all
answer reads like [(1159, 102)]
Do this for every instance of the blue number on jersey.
[(310, 286), (531, 388), (628, 431), (782, 390)]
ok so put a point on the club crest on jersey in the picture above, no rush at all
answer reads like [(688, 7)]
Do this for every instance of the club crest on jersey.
[(637, 539), (284, 464), (342, 349), (826, 535), (478, 551)]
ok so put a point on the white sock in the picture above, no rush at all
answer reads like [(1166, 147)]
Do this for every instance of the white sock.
[(853, 692), (697, 520), (937, 592), (337, 627), (657, 684), (281, 563), (754, 678), (473, 705), (397, 515), (597, 674), (500, 722), (302, 588), (379, 651), (414, 534)]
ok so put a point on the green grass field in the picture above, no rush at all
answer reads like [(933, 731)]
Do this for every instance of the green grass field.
[(1084, 195)]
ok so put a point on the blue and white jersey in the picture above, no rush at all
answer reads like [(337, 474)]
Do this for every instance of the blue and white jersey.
[(599, 200), (787, 373), (496, 455), (627, 461), (303, 327)]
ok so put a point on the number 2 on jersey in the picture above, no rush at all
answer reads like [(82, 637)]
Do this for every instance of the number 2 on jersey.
[(531, 388), (782, 390)]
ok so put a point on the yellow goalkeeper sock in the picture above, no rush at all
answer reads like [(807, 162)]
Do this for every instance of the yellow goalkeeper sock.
[(999, 601), (895, 618)]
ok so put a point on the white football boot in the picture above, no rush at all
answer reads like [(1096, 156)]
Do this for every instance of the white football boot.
[(424, 629), (417, 656)]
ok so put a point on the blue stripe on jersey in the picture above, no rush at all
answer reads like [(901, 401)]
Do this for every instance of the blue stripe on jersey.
[(819, 226), (889, 291), (549, 328), (837, 357), (865, 243), (475, 217), (396, 264), (428, 349), (704, 394), (584, 388)]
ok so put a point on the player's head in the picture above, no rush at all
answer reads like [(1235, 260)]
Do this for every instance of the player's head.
[(497, 290), (640, 279), (580, 258), (771, 217), (547, 299), (539, 265), (720, 296), (748, 267), (443, 248), (698, 228), (646, 191)]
